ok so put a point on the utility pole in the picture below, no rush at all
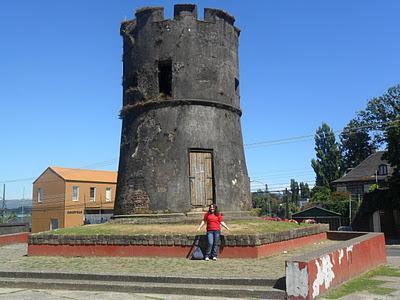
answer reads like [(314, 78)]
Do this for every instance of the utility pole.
[(3, 206), (287, 203), (350, 210), (23, 202)]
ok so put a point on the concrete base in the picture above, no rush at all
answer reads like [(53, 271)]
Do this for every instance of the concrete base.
[(189, 217)]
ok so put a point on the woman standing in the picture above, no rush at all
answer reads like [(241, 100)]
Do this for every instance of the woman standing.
[(214, 220)]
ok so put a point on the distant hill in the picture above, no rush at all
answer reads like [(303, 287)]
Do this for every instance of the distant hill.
[(15, 203)]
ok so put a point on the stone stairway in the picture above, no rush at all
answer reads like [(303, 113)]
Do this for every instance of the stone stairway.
[(217, 287)]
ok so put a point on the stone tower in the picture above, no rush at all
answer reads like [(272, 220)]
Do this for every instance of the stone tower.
[(181, 144)]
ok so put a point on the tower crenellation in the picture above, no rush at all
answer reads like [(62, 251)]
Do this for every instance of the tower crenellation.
[(206, 48)]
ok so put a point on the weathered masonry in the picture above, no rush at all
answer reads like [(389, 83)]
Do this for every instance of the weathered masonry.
[(181, 143)]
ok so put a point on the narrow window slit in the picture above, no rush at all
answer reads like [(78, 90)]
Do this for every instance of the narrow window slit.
[(165, 77), (236, 84)]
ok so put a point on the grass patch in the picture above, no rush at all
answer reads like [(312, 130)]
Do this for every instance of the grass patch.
[(366, 283), (237, 227)]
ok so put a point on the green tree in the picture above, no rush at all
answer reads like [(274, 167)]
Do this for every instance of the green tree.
[(327, 166), (393, 146), (7, 217), (356, 144), (381, 112), (261, 200), (320, 195), (304, 190), (294, 191)]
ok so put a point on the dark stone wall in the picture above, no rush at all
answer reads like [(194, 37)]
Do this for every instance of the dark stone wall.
[(202, 111)]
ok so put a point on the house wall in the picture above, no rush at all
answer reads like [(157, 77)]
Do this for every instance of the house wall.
[(52, 202), (75, 210)]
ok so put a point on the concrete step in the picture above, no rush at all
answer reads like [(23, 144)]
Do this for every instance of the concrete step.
[(209, 289), (141, 278)]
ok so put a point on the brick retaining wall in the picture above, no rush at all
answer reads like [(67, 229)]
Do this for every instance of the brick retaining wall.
[(15, 238), (256, 245)]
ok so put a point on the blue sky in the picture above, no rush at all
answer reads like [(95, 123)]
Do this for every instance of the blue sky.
[(301, 63)]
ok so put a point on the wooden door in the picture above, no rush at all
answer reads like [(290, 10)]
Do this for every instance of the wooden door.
[(201, 178)]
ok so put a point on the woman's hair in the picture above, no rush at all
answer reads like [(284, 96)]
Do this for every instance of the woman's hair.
[(216, 211)]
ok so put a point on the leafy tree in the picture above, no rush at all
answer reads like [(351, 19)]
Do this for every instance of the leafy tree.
[(266, 202), (382, 116), (327, 166), (356, 144), (320, 195), (7, 217), (393, 146), (381, 112), (295, 191), (304, 190), (335, 201)]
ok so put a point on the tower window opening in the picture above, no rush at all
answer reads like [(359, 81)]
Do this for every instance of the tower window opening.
[(165, 77), (236, 84)]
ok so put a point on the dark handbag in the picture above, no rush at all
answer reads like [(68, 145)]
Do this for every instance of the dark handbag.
[(197, 253)]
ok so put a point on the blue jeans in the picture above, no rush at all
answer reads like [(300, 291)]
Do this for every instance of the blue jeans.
[(213, 237)]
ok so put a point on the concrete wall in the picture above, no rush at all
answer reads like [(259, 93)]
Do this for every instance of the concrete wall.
[(14, 228), (202, 112), (311, 275)]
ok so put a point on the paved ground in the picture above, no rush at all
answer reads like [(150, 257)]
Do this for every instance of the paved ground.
[(13, 258), (27, 294)]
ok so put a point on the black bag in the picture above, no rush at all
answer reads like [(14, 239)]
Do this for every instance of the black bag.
[(197, 253)]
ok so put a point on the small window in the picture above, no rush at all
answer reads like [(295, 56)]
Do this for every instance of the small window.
[(53, 224), (165, 77), (75, 193), (236, 85), (92, 194), (108, 194), (382, 170), (39, 195)]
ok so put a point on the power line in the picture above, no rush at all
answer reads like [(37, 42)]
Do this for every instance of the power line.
[(310, 136), (247, 146)]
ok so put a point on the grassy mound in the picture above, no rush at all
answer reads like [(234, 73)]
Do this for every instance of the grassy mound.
[(237, 227)]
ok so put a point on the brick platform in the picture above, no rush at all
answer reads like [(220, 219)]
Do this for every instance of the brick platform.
[(243, 246)]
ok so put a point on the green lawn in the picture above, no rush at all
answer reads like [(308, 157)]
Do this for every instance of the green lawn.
[(366, 283), (237, 227)]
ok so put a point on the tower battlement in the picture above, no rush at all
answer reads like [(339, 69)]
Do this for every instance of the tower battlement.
[(183, 58), (147, 15)]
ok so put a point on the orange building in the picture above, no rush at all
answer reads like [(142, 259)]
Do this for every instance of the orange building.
[(64, 197)]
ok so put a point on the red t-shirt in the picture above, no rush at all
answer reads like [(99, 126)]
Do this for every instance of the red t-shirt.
[(213, 221)]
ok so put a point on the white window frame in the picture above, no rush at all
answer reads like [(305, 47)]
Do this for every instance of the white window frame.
[(382, 170), (109, 190), (40, 195), (75, 187), (92, 199)]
